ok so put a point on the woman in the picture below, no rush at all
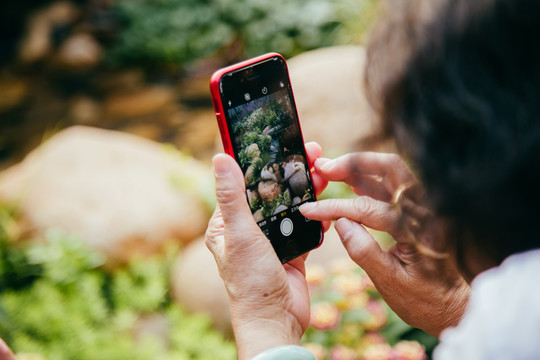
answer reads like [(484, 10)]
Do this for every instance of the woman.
[(457, 84)]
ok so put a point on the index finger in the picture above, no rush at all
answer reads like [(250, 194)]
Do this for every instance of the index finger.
[(389, 167)]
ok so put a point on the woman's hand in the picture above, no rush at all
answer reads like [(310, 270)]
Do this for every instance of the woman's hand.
[(269, 301), (5, 352), (417, 280)]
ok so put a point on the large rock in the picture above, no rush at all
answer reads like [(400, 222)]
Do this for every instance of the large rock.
[(199, 288), (329, 93), (196, 284), (125, 196)]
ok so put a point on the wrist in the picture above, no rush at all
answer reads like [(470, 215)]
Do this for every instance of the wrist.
[(455, 308), (258, 333)]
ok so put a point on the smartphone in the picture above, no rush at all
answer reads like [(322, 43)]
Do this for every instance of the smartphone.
[(259, 127)]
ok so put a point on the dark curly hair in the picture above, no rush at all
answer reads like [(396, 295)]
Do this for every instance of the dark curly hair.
[(457, 84)]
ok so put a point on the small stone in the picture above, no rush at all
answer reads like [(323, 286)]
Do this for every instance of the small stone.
[(61, 13), (258, 215), (36, 43), (253, 150), (248, 176), (139, 102), (252, 196), (85, 110), (296, 200), (80, 51), (295, 173), (12, 92), (269, 190), (121, 80)]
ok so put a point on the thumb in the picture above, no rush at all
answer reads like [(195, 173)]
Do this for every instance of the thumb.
[(231, 192), (5, 352), (362, 248)]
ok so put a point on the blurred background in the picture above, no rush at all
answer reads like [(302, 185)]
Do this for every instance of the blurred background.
[(142, 66), (106, 134)]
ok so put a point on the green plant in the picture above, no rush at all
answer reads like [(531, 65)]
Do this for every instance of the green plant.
[(161, 32), (62, 304)]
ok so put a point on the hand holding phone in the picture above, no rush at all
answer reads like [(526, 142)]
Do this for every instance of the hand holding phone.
[(259, 127)]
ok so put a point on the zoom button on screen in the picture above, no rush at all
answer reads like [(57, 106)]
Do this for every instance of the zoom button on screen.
[(286, 227)]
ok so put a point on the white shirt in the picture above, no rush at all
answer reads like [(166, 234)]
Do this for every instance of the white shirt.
[(503, 318)]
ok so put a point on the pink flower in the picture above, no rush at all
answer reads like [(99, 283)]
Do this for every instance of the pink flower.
[(378, 317), (408, 350), (348, 284), (324, 316), (370, 338), (341, 352), (357, 301), (378, 352), (315, 275), (317, 350)]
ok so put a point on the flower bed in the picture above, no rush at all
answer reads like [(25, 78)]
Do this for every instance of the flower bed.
[(350, 321)]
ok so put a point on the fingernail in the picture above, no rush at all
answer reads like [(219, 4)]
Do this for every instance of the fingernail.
[(344, 227), (304, 208), (221, 167), (327, 165)]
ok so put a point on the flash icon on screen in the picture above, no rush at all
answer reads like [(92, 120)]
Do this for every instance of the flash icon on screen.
[(281, 84), (247, 96)]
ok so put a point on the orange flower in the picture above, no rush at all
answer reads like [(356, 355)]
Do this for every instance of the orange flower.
[(409, 350), (324, 316), (317, 350), (357, 301), (315, 275), (378, 352), (378, 317), (341, 352), (348, 284), (369, 339)]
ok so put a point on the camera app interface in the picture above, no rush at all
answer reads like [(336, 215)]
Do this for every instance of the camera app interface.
[(271, 154)]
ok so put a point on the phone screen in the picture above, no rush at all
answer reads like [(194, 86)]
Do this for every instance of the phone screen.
[(268, 145)]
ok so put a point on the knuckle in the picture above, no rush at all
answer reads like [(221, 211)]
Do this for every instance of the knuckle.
[(395, 160), (226, 196), (365, 206)]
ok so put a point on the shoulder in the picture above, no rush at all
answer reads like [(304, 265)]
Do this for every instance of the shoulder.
[(503, 319)]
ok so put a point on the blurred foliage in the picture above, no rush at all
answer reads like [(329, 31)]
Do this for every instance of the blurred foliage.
[(56, 300), (160, 32)]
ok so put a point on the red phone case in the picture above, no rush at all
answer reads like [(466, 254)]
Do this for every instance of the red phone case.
[(218, 105), (219, 109)]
